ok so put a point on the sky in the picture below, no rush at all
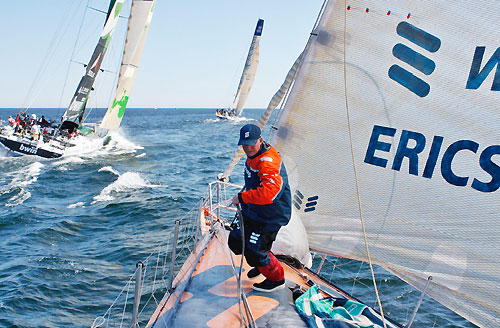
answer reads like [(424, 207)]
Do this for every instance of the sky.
[(193, 58)]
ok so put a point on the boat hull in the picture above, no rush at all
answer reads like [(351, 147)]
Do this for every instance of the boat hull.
[(26, 148), (225, 117)]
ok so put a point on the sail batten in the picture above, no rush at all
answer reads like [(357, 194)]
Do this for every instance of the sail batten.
[(419, 90)]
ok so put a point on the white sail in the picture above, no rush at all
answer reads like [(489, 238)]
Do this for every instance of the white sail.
[(138, 28), (249, 71), (393, 121)]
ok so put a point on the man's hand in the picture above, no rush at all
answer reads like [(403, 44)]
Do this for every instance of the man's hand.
[(235, 201)]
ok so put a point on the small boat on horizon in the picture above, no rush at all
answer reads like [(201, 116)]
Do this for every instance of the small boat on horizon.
[(246, 80)]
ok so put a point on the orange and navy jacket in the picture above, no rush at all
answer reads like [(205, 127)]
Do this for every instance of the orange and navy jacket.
[(267, 197)]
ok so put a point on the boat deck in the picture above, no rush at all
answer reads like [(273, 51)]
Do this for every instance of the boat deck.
[(210, 298)]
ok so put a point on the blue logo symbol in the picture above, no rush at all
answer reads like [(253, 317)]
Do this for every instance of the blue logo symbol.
[(413, 58), (477, 76), (297, 199), (310, 205)]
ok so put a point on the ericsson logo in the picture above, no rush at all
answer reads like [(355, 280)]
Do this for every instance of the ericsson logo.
[(413, 58), (310, 203)]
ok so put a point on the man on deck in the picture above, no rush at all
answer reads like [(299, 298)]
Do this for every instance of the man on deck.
[(266, 207)]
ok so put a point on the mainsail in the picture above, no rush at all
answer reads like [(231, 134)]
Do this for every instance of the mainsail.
[(138, 28), (76, 109), (249, 71), (391, 133)]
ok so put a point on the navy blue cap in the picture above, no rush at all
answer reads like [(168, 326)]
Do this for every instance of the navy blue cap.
[(249, 134)]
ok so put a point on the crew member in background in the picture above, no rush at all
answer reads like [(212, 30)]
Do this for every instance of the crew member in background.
[(12, 122), (35, 131), (18, 122), (266, 207), (33, 119)]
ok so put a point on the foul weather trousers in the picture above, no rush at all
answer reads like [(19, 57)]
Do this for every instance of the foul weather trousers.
[(258, 245)]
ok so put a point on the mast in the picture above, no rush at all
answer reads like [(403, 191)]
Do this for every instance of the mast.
[(76, 109)]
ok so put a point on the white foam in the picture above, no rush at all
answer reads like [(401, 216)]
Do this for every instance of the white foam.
[(78, 204), (237, 119), (109, 169), (71, 159), (93, 146), (21, 180), (19, 198), (84, 146), (126, 182), (34, 168), (240, 119), (120, 143), (26, 175)]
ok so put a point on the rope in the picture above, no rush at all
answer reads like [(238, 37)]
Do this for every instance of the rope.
[(360, 207), (241, 294), (242, 230), (237, 273)]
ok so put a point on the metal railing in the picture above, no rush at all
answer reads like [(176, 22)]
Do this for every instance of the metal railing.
[(154, 276)]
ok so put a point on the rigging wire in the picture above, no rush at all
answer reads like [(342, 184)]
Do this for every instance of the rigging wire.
[(54, 43), (299, 62), (72, 55), (358, 194)]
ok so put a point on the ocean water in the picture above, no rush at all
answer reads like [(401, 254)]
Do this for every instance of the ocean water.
[(73, 228)]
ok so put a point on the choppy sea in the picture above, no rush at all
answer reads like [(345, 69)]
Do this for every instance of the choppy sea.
[(72, 229)]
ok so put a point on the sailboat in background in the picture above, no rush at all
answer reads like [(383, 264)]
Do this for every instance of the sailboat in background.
[(390, 138), (61, 137), (246, 79)]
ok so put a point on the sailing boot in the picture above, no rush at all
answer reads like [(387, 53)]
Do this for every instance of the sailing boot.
[(252, 273), (275, 276)]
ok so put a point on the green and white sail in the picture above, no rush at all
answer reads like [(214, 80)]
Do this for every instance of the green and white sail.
[(138, 28), (249, 71), (391, 133), (76, 109)]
